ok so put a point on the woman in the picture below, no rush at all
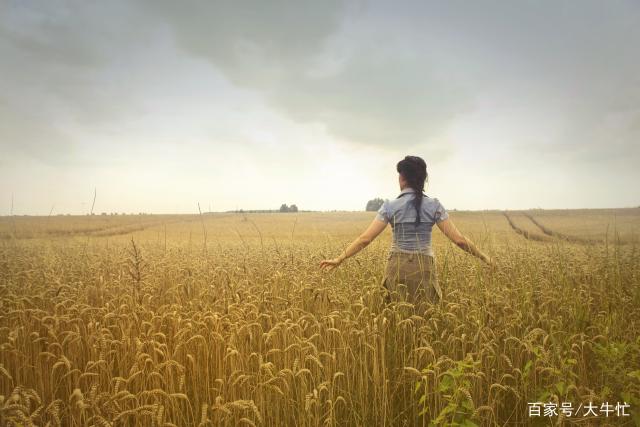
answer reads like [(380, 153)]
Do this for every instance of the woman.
[(411, 268)]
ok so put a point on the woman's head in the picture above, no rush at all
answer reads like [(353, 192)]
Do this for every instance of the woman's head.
[(413, 170)]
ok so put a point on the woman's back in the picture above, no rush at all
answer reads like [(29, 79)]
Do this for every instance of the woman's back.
[(411, 265), (409, 236)]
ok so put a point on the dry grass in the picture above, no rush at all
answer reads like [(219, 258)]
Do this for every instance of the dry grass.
[(161, 330)]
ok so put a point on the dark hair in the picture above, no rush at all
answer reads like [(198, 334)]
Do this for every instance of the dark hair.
[(414, 170)]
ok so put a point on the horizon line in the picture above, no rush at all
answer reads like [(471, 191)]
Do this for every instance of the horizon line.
[(246, 211)]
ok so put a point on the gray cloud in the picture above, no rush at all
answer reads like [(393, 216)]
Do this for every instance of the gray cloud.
[(30, 135), (256, 43), (371, 72), (377, 97), (57, 74), (393, 75), (372, 95)]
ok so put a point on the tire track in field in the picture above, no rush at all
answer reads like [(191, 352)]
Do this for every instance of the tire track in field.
[(109, 230), (525, 233), (130, 228), (105, 231), (562, 236), (124, 229)]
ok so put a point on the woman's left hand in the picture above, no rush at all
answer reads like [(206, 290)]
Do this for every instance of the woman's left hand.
[(330, 263)]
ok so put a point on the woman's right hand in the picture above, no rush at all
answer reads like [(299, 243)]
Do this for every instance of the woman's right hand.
[(330, 263)]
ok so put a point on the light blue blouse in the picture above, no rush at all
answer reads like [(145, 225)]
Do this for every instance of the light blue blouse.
[(401, 214)]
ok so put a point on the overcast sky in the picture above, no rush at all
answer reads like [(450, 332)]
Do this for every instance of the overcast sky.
[(160, 105)]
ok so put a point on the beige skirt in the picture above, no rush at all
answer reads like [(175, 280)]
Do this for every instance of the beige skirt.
[(412, 277)]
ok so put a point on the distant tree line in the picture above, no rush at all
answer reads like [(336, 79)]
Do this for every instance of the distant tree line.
[(116, 213), (283, 208), (374, 204)]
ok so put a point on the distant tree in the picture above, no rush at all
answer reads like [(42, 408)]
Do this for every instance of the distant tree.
[(284, 208), (293, 208), (374, 205)]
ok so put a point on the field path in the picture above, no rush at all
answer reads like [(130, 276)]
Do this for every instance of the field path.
[(552, 233), (110, 230), (525, 233)]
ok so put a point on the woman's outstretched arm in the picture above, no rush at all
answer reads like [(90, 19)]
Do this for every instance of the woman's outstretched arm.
[(375, 228), (451, 231)]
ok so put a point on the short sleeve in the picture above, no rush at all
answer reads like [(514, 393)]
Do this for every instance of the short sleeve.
[(441, 213), (382, 214)]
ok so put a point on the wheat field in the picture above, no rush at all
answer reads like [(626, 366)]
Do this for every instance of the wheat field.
[(226, 320)]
